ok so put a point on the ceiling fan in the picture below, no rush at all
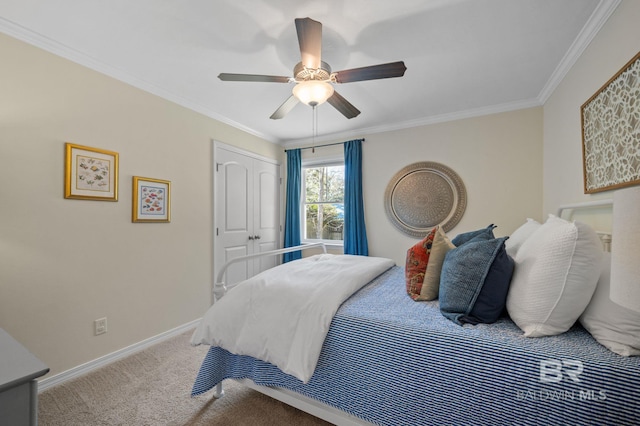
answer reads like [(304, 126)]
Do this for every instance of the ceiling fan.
[(313, 77)]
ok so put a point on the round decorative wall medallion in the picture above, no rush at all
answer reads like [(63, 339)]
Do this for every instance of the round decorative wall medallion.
[(423, 195)]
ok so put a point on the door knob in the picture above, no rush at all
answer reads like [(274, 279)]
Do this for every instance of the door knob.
[(256, 237), (251, 237)]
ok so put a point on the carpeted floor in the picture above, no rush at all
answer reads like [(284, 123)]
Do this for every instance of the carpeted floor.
[(153, 388)]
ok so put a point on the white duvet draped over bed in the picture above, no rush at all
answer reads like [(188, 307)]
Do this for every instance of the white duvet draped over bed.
[(282, 315)]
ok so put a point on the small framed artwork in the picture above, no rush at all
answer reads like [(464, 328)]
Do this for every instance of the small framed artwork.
[(611, 132), (90, 173), (151, 200)]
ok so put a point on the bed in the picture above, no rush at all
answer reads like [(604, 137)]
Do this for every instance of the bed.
[(389, 360)]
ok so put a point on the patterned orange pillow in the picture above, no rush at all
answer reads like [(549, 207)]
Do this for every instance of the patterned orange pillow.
[(416, 266)]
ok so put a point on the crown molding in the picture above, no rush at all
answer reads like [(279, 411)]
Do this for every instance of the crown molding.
[(597, 19), (426, 121), (603, 11), (38, 40)]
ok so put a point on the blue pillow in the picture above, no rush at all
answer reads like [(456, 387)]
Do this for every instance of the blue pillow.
[(474, 281), (484, 234)]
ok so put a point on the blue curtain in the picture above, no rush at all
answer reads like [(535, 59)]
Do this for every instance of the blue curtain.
[(292, 211), (355, 232)]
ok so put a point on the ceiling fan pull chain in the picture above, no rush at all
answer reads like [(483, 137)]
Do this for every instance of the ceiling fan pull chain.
[(314, 129)]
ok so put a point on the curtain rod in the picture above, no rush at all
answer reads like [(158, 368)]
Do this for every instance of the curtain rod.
[(327, 144)]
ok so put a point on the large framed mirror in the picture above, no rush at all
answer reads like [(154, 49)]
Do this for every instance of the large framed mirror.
[(423, 195)]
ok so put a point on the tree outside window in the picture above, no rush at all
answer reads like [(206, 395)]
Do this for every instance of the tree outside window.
[(323, 198)]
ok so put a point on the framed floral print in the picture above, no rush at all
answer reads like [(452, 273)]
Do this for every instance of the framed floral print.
[(151, 200), (90, 173)]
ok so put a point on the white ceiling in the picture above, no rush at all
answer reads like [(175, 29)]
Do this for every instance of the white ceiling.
[(464, 57)]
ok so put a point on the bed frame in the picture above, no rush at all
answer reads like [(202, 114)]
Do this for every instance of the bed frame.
[(319, 409), (220, 287), (301, 402), (566, 211)]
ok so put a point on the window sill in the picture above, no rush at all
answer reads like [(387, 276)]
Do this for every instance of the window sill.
[(333, 245)]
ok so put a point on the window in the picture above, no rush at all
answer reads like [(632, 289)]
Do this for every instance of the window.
[(323, 202)]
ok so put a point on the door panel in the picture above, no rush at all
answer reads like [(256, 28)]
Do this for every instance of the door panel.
[(247, 212), (266, 262), (236, 191), (232, 207), (238, 271), (266, 213), (267, 191)]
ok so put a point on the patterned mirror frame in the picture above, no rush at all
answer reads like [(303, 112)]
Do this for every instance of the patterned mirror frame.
[(423, 195)]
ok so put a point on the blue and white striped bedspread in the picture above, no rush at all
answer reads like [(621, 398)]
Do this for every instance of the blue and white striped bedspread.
[(392, 361)]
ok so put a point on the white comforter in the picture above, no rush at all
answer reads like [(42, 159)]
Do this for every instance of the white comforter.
[(282, 315)]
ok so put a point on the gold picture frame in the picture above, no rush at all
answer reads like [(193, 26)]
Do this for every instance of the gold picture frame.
[(90, 173), (151, 200), (611, 132)]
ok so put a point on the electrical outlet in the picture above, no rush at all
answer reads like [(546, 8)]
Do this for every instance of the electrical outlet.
[(100, 326)]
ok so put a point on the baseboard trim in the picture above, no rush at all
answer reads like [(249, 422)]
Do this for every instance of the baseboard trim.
[(87, 367)]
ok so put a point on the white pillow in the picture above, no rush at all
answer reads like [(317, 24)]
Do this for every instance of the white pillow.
[(520, 235), (555, 275), (614, 326)]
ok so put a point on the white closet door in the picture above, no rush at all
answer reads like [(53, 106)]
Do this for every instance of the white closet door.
[(266, 218), (233, 213), (247, 213)]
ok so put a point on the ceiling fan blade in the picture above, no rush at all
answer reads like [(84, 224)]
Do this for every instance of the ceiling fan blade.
[(310, 41), (253, 77), (285, 108), (344, 106), (373, 72)]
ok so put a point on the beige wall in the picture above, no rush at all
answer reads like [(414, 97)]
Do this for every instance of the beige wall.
[(499, 158), (64, 263), (614, 45)]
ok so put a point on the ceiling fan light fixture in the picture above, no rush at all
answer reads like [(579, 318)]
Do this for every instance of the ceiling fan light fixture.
[(313, 77), (313, 92)]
